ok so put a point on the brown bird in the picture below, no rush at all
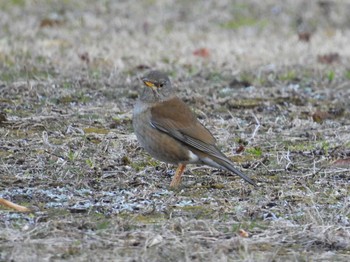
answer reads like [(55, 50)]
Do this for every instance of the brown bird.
[(166, 127)]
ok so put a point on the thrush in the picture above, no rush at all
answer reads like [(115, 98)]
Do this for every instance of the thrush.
[(170, 132)]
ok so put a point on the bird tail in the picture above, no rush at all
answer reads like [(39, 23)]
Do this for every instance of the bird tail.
[(225, 163), (229, 167)]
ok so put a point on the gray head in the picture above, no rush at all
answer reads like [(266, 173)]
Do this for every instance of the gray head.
[(158, 87)]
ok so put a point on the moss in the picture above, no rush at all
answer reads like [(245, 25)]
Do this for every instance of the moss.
[(296, 146), (198, 212), (288, 76), (255, 151), (102, 225), (347, 74), (295, 100), (242, 21), (28, 73), (96, 130), (150, 218), (138, 166)]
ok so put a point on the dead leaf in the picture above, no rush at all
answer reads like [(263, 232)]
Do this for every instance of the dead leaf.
[(240, 149), (84, 57), (304, 36), (320, 116), (51, 21), (240, 83), (142, 67), (342, 162), (243, 233), (156, 240), (2, 117), (202, 52), (328, 58)]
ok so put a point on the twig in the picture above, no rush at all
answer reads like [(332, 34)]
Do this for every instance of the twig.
[(256, 127), (14, 206)]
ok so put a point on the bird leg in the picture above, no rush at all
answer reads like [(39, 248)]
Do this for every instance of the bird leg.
[(177, 177)]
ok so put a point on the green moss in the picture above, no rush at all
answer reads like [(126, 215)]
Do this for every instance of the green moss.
[(26, 74), (245, 21), (18, 2), (138, 166), (215, 76), (78, 97), (5, 153), (217, 186), (255, 151), (96, 130), (299, 146), (5, 5), (325, 147), (288, 76), (247, 77), (330, 76), (67, 85), (121, 120), (295, 100), (347, 74), (101, 225), (150, 218), (198, 212)]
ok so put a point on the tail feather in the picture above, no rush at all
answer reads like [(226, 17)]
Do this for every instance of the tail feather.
[(228, 166)]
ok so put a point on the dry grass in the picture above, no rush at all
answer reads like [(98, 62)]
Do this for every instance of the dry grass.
[(68, 82)]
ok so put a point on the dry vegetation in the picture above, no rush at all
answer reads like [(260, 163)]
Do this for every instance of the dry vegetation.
[(270, 79)]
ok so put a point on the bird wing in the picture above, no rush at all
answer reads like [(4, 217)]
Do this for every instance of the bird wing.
[(175, 118)]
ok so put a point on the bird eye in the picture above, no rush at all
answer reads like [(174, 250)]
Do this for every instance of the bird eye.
[(161, 84)]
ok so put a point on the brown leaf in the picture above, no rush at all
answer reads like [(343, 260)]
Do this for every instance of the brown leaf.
[(328, 58), (240, 149), (142, 67), (243, 233), (239, 83), (319, 116), (342, 162), (50, 22), (202, 52), (84, 57), (2, 117), (304, 36)]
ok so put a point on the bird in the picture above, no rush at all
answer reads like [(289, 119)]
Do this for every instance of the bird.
[(169, 131)]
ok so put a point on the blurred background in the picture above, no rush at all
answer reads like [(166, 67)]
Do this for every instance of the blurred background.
[(173, 35)]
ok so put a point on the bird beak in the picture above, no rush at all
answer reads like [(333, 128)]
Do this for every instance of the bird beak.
[(149, 84)]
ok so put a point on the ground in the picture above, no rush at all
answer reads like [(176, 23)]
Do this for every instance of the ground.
[(270, 79)]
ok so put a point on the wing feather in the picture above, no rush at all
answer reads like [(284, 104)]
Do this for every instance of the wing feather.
[(176, 119)]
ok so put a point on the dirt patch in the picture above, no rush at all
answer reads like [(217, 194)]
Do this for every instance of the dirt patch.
[(270, 80)]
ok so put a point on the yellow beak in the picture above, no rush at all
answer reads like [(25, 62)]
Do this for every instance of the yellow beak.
[(150, 85)]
